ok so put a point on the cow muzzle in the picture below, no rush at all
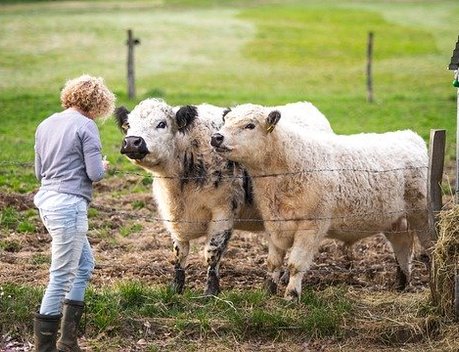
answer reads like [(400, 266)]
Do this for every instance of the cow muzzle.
[(216, 141), (134, 147)]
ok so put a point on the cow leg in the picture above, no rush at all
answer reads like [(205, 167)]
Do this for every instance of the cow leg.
[(305, 246), (275, 260), (348, 250), (220, 231), (420, 224), (181, 250), (403, 246)]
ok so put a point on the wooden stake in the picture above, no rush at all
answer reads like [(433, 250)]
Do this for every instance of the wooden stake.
[(435, 176), (457, 150), (456, 277), (131, 42), (456, 295), (370, 67)]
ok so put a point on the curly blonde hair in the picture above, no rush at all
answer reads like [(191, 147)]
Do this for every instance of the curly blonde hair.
[(89, 95)]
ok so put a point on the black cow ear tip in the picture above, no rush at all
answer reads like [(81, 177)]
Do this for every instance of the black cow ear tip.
[(185, 115), (121, 110)]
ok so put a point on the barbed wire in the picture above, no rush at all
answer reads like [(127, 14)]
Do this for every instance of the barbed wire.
[(280, 174), (16, 163), (259, 220), (349, 217)]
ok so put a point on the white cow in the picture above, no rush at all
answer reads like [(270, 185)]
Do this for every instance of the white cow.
[(344, 187)]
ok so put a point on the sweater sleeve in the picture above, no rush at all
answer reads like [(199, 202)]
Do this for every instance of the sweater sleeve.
[(92, 152), (37, 165)]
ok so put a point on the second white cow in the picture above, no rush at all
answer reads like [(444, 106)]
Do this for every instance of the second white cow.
[(309, 185)]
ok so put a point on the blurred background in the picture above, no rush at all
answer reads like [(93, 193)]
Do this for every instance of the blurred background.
[(230, 52)]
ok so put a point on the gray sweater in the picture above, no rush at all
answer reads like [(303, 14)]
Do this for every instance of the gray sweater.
[(68, 156)]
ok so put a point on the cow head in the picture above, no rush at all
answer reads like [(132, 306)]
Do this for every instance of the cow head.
[(150, 130), (245, 133)]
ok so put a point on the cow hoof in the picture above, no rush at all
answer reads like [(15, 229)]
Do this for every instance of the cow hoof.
[(270, 286), (212, 291), (424, 258), (178, 287), (285, 277), (292, 296), (213, 286), (401, 281)]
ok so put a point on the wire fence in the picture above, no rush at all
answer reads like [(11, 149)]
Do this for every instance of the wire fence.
[(356, 214), (150, 219), (280, 174)]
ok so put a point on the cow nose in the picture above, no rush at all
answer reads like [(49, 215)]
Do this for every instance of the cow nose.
[(134, 147), (216, 140)]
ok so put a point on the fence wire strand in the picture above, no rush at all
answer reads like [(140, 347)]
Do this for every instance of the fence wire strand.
[(402, 212), (255, 220), (280, 174)]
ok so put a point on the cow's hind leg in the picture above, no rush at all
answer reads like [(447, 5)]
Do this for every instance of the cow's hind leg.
[(403, 246), (181, 250)]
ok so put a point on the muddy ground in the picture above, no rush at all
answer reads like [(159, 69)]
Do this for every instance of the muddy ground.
[(144, 252)]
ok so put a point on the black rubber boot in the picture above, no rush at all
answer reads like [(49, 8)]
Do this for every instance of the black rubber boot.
[(45, 329), (71, 316)]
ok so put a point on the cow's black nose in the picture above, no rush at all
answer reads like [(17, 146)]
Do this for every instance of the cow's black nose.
[(134, 147), (216, 140)]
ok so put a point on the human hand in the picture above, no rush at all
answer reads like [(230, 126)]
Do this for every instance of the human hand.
[(105, 163)]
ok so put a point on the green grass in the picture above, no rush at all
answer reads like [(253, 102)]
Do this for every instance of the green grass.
[(269, 54), (225, 53), (20, 221), (125, 310), (126, 231)]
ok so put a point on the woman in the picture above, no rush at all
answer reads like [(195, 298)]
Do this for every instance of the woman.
[(68, 160)]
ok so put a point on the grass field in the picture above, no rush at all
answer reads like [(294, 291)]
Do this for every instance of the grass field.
[(229, 54), (221, 52)]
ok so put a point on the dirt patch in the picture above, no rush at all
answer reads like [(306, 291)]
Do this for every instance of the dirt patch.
[(16, 200), (130, 245)]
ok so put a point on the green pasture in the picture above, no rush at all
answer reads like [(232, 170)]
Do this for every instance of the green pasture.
[(228, 52), (220, 52)]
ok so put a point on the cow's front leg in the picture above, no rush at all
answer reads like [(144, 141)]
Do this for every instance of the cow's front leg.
[(275, 261), (220, 231), (181, 250), (305, 246)]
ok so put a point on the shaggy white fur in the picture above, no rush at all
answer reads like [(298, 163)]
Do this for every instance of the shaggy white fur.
[(345, 187), (197, 190)]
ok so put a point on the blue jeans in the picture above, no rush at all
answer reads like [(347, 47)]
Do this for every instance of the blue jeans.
[(72, 261)]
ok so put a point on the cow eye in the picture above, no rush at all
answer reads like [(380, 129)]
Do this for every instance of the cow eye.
[(162, 124), (250, 126), (125, 126)]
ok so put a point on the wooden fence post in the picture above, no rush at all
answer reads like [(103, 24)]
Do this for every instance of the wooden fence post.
[(434, 198), (455, 83), (370, 67), (434, 176), (456, 295), (131, 42)]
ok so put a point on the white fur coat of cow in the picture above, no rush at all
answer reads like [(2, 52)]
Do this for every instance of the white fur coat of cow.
[(309, 185), (198, 192)]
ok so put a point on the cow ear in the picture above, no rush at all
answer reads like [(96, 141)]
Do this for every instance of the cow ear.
[(185, 116), (225, 112), (121, 116), (272, 120)]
